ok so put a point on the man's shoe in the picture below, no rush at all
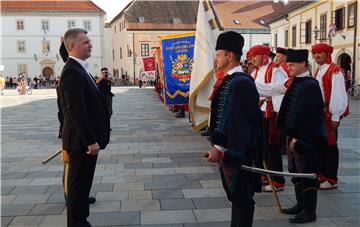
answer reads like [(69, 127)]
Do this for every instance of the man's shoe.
[(304, 217), (180, 115), (327, 186), (268, 188), (297, 208), (92, 200)]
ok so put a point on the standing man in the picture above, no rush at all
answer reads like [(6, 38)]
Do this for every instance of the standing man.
[(267, 72), (301, 119), (234, 128), (86, 127), (105, 83), (332, 86)]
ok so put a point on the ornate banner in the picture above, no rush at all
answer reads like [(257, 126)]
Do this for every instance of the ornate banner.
[(149, 64), (177, 51)]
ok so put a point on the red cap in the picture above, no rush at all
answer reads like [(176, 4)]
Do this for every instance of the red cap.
[(259, 50), (322, 47)]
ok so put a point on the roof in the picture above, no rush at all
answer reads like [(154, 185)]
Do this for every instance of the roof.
[(160, 15), (50, 6), (291, 6), (246, 14)]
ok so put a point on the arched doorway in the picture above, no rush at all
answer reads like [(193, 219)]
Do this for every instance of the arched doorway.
[(47, 72), (344, 61)]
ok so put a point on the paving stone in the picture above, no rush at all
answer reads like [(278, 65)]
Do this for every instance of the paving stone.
[(204, 193), (105, 206), (211, 183), (176, 184), (167, 194), (43, 174), (174, 177), (47, 181), (5, 221), (346, 221), (111, 219), (211, 203), (155, 160), (151, 185), (129, 186), (105, 187), (13, 175), (139, 205), (7, 199), (137, 178), (213, 215), (167, 217), (138, 165), (55, 188), (26, 221), (34, 189), (42, 209), (16, 182), (139, 195), (112, 179), (5, 190), (274, 222), (16, 209), (111, 196), (177, 204), (53, 220), (56, 198), (34, 198)]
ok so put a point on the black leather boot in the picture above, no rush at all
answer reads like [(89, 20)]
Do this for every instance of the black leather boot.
[(298, 207), (242, 217), (308, 214)]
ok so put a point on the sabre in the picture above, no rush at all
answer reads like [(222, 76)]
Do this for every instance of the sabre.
[(272, 172), (51, 157), (277, 173)]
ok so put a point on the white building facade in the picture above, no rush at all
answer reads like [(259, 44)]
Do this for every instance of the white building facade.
[(31, 39)]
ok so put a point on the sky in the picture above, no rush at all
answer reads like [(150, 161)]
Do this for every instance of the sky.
[(111, 7)]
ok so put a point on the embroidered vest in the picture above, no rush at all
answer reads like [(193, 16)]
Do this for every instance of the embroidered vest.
[(327, 84)]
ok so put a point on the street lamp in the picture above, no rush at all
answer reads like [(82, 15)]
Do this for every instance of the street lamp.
[(316, 32)]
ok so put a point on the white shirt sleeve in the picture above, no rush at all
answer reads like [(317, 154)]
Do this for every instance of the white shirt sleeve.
[(338, 98), (279, 76), (270, 89)]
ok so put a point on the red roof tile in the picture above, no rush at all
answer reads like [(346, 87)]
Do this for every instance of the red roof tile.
[(84, 6)]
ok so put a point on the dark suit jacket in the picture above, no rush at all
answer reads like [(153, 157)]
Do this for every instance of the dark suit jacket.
[(86, 120)]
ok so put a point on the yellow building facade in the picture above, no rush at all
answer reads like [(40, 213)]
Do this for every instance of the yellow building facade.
[(332, 22)]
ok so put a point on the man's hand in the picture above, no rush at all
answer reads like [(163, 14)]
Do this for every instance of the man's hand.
[(292, 145), (93, 149), (214, 155), (334, 124)]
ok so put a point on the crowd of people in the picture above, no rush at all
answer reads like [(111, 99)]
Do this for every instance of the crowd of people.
[(268, 105), (265, 106)]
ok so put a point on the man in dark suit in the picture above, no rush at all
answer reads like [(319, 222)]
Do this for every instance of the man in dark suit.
[(86, 128)]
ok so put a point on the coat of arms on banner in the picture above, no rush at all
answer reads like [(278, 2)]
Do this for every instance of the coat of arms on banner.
[(182, 67)]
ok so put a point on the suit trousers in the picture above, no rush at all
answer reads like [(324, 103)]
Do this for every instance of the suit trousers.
[(81, 174)]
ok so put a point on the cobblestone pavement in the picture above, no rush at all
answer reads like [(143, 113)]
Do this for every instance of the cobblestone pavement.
[(151, 174)]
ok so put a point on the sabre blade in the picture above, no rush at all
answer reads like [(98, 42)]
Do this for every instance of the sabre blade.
[(277, 173)]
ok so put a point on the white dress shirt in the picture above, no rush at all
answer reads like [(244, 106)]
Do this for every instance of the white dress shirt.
[(85, 65), (338, 96)]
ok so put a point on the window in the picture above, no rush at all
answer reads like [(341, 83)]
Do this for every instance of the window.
[(141, 19), (276, 40), (115, 29), (339, 18), (293, 36), (120, 27), (19, 25), (286, 38), (351, 15), (308, 32), (44, 25), (145, 49), (87, 25), (45, 46), (128, 51), (176, 20), (21, 46), (113, 55), (323, 27), (71, 24), (22, 69), (236, 21), (120, 53)]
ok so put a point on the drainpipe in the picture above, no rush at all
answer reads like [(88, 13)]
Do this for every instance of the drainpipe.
[(134, 58), (354, 47)]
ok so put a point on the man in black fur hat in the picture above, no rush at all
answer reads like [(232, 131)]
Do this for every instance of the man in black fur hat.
[(234, 129), (301, 119)]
